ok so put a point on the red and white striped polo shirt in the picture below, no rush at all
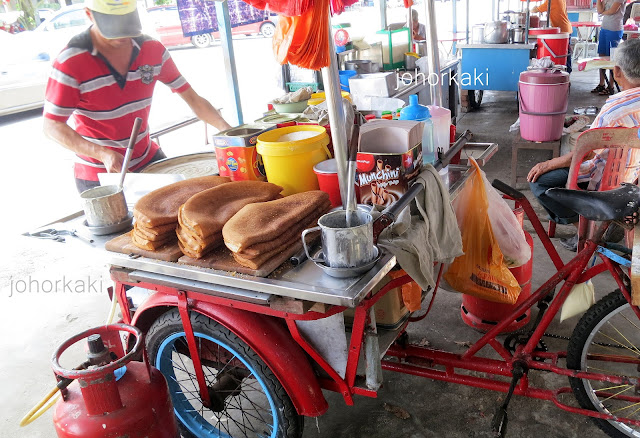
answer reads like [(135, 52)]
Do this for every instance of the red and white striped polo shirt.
[(103, 103)]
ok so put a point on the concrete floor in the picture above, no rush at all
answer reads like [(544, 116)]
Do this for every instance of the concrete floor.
[(37, 322)]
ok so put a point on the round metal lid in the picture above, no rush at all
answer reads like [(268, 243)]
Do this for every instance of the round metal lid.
[(191, 166)]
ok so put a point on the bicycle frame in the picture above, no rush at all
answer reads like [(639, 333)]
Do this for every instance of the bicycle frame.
[(572, 273)]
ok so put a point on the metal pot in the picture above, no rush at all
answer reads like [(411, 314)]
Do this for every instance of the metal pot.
[(516, 18), (359, 65), (496, 32), (409, 61), (477, 34), (517, 35), (104, 205), (421, 48)]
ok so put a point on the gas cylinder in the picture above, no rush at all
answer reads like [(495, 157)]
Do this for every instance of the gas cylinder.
[(483, 315), (112, 394)]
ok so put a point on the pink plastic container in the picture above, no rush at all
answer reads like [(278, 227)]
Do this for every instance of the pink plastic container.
[(543, 98)]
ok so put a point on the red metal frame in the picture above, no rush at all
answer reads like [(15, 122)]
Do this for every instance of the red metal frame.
[(412, 359)]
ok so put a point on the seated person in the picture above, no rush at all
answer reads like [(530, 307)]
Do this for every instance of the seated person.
[(418, 30), (620, 110)]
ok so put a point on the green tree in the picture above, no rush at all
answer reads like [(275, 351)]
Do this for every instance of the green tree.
[(27, 20)]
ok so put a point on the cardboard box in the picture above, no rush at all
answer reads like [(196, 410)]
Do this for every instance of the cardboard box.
[(389, 158)]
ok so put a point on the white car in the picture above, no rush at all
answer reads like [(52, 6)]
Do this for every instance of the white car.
[(26, 57), (23, 76)]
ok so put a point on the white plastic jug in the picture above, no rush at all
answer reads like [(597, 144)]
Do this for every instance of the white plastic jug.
[(441, 118)]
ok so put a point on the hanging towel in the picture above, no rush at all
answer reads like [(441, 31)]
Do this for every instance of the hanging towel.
[(429, 234)]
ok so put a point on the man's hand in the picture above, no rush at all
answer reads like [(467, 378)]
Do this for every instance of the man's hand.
[(537, 170), (112, 160)]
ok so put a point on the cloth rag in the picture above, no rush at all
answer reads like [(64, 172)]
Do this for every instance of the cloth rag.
[(429, 234)]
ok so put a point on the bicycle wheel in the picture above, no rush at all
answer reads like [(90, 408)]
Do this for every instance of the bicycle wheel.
[(247, 399), (609, 330)]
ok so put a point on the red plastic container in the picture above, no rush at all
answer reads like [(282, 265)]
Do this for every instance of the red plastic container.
[(555, 45), (483, 315), (327, 173)]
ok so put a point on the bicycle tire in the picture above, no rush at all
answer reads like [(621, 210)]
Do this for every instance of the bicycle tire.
[(591, 332), (167, 333)]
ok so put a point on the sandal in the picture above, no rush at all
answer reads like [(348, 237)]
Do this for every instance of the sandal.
[(607, 92), (598, 89)]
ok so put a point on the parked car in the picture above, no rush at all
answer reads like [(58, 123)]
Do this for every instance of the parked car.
[(23, 76), (26, 57), (169, 27)]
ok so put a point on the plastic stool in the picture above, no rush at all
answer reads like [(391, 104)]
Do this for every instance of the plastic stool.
[(579, 51)]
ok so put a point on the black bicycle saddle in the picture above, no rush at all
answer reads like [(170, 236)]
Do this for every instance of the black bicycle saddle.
[(609, 205)]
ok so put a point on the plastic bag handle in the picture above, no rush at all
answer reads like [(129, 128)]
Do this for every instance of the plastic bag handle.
[(507, 189)]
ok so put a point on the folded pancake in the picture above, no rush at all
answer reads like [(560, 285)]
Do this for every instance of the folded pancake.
[(149, 244), (160, 207), (196, 244), (194, 254), (146, 234), (257, 262), (155, 231), (296, 231), (257, 223), (206, 213)]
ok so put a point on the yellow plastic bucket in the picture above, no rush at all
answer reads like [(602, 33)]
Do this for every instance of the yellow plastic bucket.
[(289, 164), (318, 98)]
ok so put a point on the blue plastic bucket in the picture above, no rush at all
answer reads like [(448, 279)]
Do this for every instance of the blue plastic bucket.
[(344, 78)]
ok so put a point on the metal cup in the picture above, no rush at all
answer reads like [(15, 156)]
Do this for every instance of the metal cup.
[(344, 246)]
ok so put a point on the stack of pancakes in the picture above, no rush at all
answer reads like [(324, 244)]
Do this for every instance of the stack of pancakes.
[(260, 232), (156, 213), (202, 217)]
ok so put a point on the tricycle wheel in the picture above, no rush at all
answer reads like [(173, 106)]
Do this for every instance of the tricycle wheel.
[(247, 399), (607, 340)]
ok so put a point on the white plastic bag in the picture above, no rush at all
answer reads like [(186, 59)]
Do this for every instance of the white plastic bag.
[(581, 297), (507, 230)]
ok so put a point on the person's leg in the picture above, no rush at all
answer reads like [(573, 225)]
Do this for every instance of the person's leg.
[(603, 50), (557, 212), (569, 69)]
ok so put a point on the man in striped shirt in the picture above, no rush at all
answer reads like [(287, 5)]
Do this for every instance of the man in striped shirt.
[(103, 80), (620, 110)]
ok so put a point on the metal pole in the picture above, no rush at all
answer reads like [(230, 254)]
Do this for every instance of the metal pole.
[(454, 8), (526, 25), (410, 26), (337, 119), (467, 21), (549, 13), (434, 53), (222, 11), (382, 9), (493, 10)]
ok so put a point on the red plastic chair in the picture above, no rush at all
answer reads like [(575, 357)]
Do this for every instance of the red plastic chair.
[(618, 141)]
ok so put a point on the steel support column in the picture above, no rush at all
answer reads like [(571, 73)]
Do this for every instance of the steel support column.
[(222, 12)]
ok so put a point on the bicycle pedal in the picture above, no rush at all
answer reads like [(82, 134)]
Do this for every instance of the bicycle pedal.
[(499, 422)]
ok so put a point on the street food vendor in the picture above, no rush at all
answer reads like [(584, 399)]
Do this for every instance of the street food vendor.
[(418, 30), (105, 78), (558, 17), (620, 110)]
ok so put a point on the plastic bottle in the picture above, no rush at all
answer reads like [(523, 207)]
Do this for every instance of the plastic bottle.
[(417, 112)]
